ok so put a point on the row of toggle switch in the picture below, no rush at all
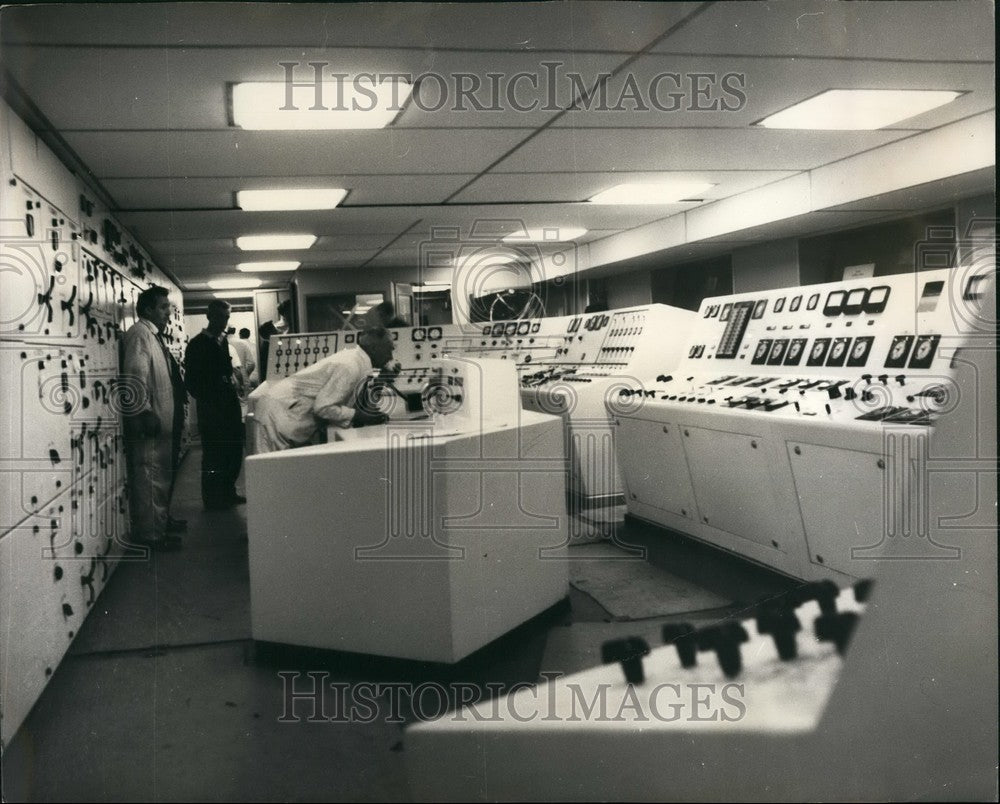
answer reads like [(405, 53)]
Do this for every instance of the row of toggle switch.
[(775, 617)]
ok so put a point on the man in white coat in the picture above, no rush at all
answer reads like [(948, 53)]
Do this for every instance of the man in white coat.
[(150, 379), (288, 412)]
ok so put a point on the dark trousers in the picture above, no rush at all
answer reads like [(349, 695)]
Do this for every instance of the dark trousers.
[(221, 428)]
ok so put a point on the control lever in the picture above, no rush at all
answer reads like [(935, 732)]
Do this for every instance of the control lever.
[(628, 652), (837, 628), (778, 620), (823, 592), (681, 635), (725, 641)]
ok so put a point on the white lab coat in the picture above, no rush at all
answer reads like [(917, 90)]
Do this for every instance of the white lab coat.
[(289, 411), (145, 381), (244, 350), (144, 386)]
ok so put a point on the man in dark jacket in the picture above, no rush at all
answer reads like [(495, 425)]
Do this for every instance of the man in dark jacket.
[(209, 379)]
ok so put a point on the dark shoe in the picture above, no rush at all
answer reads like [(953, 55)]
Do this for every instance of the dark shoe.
[(177, 525), (168, 544)]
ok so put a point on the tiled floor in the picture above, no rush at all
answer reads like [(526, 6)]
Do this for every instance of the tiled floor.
[(164, 696)]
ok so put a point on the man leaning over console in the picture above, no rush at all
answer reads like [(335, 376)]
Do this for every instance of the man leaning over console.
[(289, 412)]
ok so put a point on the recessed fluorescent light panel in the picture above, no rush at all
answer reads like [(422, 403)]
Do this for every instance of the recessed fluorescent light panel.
[(484, 257), (231, 294), (546, 234), (651, 193), (234, 284), (277, 265), (348, 103), (275, 242), (272, 200), (858, 109)]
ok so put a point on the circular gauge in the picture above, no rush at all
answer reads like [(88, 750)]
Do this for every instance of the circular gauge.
[(761, 349), (859, 350), (898, 349), (923, 350), (838, 350), (794, 349), (817, 351)]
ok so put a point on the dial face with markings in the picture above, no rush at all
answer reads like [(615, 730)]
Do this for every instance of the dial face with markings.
[(793, 350), (923, 350), (838, 350), (859, 350), (898, 350), (817, 351)]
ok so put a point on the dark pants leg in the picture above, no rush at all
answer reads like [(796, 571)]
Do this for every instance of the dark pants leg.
[(222, 448)]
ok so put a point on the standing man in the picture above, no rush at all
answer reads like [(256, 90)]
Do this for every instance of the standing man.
[(151, 376), (291, 410), (269, 328), (209, 379), (245, 351)]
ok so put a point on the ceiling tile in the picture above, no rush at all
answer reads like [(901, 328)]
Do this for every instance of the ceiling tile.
[(581, 186), (939, 31), (219, 193), (288, 153), (491, 26), (688, 149)]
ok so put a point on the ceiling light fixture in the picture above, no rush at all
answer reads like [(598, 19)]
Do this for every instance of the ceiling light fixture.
[(232, 294), (337, 103), (234, 284), (482, 257), (275, 242), (858, 109), (276, 265), (669, 192), (545, 234), (273, 200)]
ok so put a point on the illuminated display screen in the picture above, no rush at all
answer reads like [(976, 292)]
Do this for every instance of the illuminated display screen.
[(758, 310), (813, 301), (855, 301), (732, 337), (779, 305), (973, 288), (929, 297), (878, 297), (724, 316), (795, 303), (834, 303)]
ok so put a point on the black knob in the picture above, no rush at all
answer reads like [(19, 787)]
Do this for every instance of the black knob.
[(725, 641), (901, 379), (849, 393), (823, 592), (780, 622), (836, 628), (863, 590), (834, 391), (628, 652), (681, 635), (883, 378), (867, 378), (664, 378)]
